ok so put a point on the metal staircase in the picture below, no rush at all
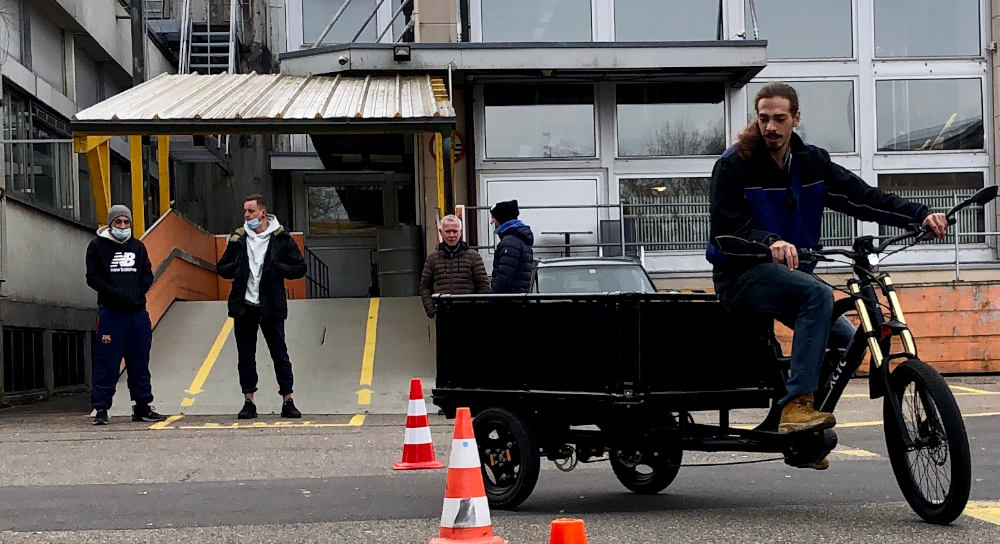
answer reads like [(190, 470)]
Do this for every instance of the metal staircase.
[(210, 47)]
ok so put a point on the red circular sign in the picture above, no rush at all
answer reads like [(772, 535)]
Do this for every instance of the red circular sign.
[(457, 140)]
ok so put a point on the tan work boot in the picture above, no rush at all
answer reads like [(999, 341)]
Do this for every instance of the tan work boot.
[(822, 464), (799, 415)]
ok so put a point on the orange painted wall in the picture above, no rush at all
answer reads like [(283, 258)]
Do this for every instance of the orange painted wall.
[(957, 327), (183, 280)]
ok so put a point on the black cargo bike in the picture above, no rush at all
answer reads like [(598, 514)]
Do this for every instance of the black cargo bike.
[(632, 367)]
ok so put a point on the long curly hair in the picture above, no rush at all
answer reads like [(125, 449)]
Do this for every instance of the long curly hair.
[(750, 136)]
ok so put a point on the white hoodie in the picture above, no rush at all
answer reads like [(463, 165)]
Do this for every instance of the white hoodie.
[(256, 250)]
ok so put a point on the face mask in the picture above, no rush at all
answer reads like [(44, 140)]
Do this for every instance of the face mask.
[(253, 224), (121, 234)]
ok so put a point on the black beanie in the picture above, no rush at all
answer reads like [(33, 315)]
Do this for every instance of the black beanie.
[(504, 211)]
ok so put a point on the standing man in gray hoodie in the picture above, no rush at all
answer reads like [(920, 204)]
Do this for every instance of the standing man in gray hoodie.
[(118, 268), (259, 257)]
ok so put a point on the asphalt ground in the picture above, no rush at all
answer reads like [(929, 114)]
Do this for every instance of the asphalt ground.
[(328, 478)]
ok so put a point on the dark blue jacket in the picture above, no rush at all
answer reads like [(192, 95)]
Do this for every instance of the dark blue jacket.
[(513, 258), (755, 200)]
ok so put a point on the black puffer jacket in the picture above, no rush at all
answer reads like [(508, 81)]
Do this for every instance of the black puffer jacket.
[(283, 261), (457, 271), (513, 258)]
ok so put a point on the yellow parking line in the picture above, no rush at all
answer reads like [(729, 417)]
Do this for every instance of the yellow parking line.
[(855, 452), (371, 332), (165, 424), (988, 511), (355, 421), (213, 354), (971, 391)]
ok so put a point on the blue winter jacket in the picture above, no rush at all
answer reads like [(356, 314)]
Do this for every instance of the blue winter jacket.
[(513, 258), (755, 200)]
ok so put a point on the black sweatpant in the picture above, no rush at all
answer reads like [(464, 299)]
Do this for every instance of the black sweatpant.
[(245, 331)]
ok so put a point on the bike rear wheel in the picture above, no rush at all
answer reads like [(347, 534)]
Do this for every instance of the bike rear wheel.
[(935, 473)]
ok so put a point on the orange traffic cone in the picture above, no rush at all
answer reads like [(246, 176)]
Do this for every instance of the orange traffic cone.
[(465, 514), (418, 450), (567, 531)]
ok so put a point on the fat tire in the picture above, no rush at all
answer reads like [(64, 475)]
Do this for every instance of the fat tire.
[(508, 497)]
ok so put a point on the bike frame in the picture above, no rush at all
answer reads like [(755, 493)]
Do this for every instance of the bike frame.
[(875, 333)]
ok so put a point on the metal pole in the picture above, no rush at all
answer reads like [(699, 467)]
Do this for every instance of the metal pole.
[(368, 20), (185, 61), (138, 44), (329, 27), (958, 230), (233, 5), (391, 20), (753, 18)]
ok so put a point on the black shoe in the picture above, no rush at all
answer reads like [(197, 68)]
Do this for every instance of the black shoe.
[(288, 409), (249, 411), (145, 412), (101, 418)]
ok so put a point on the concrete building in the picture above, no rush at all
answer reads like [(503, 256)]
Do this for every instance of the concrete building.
[(602, 117)]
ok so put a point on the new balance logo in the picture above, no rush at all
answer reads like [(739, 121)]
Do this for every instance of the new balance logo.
[(123, 261)]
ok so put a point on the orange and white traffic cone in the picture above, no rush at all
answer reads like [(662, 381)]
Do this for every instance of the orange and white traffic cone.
[(465, 514), (567, 531), (418, 450)]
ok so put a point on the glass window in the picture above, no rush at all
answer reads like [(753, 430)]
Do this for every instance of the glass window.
[(666, 213), (536, 121), (536, 21), (927, 28), (316, 14), (670, 20), (343, 209), (929, 114), (671, 119), (804, 29), (827, 109), (940, 191)]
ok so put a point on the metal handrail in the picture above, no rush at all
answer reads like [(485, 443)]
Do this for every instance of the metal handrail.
[(317, 276), (392, 20), (957, 234), (336, 17), (185, 52)]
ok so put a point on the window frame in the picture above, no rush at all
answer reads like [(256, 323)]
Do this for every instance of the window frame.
[(295, 34), (855, 83), (983, 94), (984, 39), (855, 42)]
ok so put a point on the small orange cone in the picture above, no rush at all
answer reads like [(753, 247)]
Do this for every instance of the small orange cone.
[(567, 531), (418, 450), (465, 514)]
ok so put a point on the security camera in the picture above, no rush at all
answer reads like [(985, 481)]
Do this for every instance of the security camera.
[(342, 60)]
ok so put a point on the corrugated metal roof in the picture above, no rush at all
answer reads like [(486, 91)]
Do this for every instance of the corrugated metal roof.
[(225, 100)]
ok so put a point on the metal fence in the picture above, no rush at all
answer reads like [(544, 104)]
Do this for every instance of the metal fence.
[(23, 360), (652, 225)]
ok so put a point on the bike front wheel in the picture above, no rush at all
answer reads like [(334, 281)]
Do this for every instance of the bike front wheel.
[(930, 451)]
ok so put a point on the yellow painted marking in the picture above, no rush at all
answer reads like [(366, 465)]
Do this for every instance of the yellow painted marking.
[(371, 331), (187, 402), (972, 391), (962, 391), (988, 511), (357, 420), (165, 424), (855, 452), (263, 425), (213, 354), (364, 396)]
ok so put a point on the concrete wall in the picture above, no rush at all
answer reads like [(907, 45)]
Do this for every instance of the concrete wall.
[(45, 258)]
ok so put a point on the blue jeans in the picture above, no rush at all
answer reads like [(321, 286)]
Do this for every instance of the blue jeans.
[(803, 304)]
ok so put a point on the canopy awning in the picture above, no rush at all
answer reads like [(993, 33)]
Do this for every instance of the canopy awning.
[(271, 104)]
